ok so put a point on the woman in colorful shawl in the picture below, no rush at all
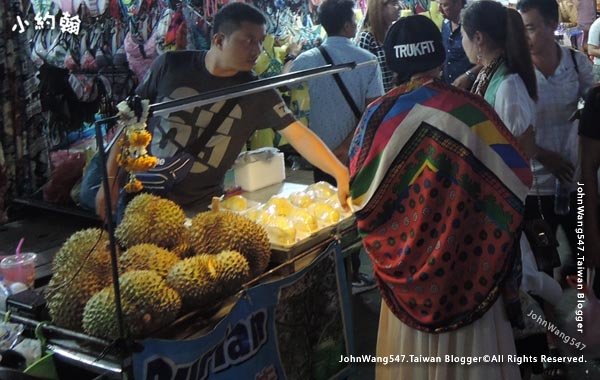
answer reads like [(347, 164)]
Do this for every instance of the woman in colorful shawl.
[(438, 186)]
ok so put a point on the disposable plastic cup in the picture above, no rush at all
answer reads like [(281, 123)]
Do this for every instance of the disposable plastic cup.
[(19, 268)]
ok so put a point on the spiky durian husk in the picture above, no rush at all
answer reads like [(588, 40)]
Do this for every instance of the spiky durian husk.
[(214, 232), (67, 295), (183, 248), (195, 279), (232, 270), (148, 257), (147, 303), (153, 220), (88, 248), (80, 268)]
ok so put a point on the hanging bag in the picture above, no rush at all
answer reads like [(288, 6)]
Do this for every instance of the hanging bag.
[(170, 171), (542, 238), (342, 86)]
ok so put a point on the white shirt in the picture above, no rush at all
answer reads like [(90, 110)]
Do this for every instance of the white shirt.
[(594, 38), (558, 96), (514, 106), (518, 111)]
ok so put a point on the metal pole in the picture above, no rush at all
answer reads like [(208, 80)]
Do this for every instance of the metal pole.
[(110, 228), (53, 329), (260, 85)]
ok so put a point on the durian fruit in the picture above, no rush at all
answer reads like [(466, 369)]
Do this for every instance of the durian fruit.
[(320, 190), (280, 206), (81, 268), (232, 270), (147, 303), (235, 203), (300, 199), (66, 297), (325, 214), (89, 247), (214, 231), (183, 248), (303, 221), (280, 231), (153, 220), (195, 279), (148, 257)]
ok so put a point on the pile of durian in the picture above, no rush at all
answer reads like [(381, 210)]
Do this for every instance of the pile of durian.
[(165, 268), (291, 219)]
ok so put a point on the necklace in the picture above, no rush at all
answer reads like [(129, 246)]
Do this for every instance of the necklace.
[(485, 76)]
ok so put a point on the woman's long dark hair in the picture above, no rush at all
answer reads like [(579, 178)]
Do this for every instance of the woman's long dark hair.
[(505, 28)]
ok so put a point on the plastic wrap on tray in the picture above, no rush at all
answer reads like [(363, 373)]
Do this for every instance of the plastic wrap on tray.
[(294, 219)]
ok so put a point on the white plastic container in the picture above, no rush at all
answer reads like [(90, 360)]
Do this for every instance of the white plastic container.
[(260, 168)]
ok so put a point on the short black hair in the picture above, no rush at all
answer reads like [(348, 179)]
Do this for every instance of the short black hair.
[(548, 8), (229, 18), (333, 14)]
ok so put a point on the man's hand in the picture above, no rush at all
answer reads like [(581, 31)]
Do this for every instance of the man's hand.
[(343, 187), (463, 82), (101, 202), (316, 152), (558, 166)]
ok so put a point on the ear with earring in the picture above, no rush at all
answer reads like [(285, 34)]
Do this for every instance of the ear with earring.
[(479, 55)]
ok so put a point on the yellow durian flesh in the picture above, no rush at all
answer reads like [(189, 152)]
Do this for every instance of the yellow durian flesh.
[(300, 199), (324, 213), (280, 230), (321, 190), (280, 206), (303, 221), (235, 203)]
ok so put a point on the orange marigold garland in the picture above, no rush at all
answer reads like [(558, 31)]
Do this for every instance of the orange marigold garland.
[(134, 141)]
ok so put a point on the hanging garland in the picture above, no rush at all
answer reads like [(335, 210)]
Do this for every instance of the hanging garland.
[(134, 156)]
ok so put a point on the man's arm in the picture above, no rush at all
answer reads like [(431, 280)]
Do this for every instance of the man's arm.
[(590, 163), (557, 164), (466, 80), (594, 50), (112, 168), (316, 152)]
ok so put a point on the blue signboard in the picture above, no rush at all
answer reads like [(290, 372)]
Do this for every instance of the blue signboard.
[(294, 328)]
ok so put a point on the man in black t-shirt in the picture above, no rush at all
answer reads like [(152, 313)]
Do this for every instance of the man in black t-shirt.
[(238, 33), (589, 135)]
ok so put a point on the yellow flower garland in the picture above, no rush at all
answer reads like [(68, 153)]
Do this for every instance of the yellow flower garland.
[(134, 141)]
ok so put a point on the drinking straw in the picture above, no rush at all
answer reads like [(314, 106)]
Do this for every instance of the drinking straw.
[(19, 246)]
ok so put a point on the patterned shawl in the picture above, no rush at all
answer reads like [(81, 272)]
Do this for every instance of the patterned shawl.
[(438, 188)]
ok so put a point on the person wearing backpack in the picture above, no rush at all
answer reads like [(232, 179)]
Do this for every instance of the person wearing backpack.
[(239, 30), (563, 77), (338, 101)]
